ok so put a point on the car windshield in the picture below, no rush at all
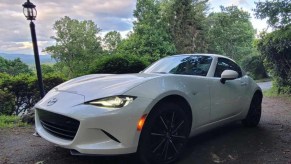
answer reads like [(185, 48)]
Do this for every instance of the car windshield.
[(183, 64)]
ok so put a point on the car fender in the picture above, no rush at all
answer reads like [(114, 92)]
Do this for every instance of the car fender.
[(161, 88), (252, 89)]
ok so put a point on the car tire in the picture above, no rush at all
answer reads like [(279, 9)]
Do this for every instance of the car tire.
[(164, 134), (254, 114)]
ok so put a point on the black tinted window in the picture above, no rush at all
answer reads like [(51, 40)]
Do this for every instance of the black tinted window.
[(226, 64), (185, 65)]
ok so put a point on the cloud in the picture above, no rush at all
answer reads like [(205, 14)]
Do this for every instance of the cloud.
[(241, 2), (15, 47), (23, 47), (15, 33), (107, 14), (247, 4)]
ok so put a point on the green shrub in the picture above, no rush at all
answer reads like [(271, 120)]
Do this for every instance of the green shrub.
[(47, 69), (118, 64), (52, 80), (19, 86), (276, 49), (25, 89), (280, 87), (254, 66), (11, 121), (7, 103)]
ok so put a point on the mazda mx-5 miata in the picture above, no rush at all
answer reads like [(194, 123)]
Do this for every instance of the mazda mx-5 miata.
[(151, 113)]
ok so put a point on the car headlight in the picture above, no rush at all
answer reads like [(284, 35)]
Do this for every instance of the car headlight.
[(112, 102)]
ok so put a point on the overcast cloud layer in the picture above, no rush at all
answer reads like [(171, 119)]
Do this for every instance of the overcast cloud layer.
[(107, 14)]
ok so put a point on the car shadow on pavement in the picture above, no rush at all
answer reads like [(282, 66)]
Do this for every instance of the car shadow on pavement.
[(64, 157), (231, 143)]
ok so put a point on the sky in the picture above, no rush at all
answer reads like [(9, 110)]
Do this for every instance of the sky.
[(109, 15)]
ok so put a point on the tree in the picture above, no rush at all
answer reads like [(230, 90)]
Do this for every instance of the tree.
[(7, 103), (230, 33), (277, 12), (275, 46), (14, 67), (254, 66), (149, 36), (77, 44), (47, 69), (184, 19), (111, 40)]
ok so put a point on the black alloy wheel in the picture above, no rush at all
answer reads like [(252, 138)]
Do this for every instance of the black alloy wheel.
[(164, 135)]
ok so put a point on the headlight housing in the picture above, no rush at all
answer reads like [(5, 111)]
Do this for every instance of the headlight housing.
[(112, 102)]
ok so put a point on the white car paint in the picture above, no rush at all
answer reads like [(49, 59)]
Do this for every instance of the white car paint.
[(212, 104)]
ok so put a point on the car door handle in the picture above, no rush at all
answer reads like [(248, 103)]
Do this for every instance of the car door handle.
[(243, 83)]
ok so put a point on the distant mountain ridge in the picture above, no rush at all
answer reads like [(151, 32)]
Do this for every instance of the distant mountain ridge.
[(29, 59)]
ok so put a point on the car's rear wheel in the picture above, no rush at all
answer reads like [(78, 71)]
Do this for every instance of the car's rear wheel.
[(164, 134), (254, 114)]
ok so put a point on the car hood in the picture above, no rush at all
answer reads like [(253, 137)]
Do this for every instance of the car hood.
[(103, 85)]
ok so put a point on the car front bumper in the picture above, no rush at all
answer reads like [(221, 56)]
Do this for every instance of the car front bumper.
[(101, 131)]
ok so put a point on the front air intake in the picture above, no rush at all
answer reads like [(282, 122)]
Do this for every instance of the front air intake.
[(58, 125)]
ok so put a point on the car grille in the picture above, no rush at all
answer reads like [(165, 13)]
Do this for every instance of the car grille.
[(58, 125)]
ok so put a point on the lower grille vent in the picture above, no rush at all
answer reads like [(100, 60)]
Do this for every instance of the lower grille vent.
[(58, 125)]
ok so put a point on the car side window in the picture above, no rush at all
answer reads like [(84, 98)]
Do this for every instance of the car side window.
[(193, 65), (226, 64)]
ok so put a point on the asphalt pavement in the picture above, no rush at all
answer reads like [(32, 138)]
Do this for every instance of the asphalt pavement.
[(230, 144), (265, 85)]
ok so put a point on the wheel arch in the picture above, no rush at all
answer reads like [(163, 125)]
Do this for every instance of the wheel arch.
[(176, 99), (253, 114), (142, 145)]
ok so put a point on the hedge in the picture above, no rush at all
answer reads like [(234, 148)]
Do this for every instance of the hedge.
[(118, 64), (276, 49), (23, 90)]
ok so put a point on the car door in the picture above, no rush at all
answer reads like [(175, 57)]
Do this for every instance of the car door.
[(226, 98), (195, 70)]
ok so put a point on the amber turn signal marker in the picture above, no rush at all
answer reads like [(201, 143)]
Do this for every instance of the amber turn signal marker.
[(141, 122)]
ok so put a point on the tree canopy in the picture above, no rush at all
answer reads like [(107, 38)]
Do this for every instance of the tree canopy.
[(230, 33), (76, 45), (111, 40), (276, 49), (14, 67), (276, 46), (184, 20), (149, 36), (277, 12)]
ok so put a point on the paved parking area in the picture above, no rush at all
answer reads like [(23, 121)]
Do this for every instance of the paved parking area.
[(265, 85), (270, 142)]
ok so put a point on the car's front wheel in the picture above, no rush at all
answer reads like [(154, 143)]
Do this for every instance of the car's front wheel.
[(164, 134), (254, 114)]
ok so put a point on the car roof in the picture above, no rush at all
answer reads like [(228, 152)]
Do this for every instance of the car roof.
[(212, 55)]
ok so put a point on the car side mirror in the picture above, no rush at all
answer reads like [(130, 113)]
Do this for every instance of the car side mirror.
[(228, 75)]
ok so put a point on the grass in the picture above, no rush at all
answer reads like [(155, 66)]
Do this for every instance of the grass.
[(270, 93), (11, 121), (273, 93)]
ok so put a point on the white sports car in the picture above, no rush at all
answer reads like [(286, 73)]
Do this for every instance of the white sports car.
[(153, 112)]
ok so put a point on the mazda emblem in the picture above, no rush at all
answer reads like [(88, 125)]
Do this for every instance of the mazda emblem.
[(52, 102)]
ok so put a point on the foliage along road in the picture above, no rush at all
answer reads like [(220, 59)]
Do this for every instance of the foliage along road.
[(268, 143)]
